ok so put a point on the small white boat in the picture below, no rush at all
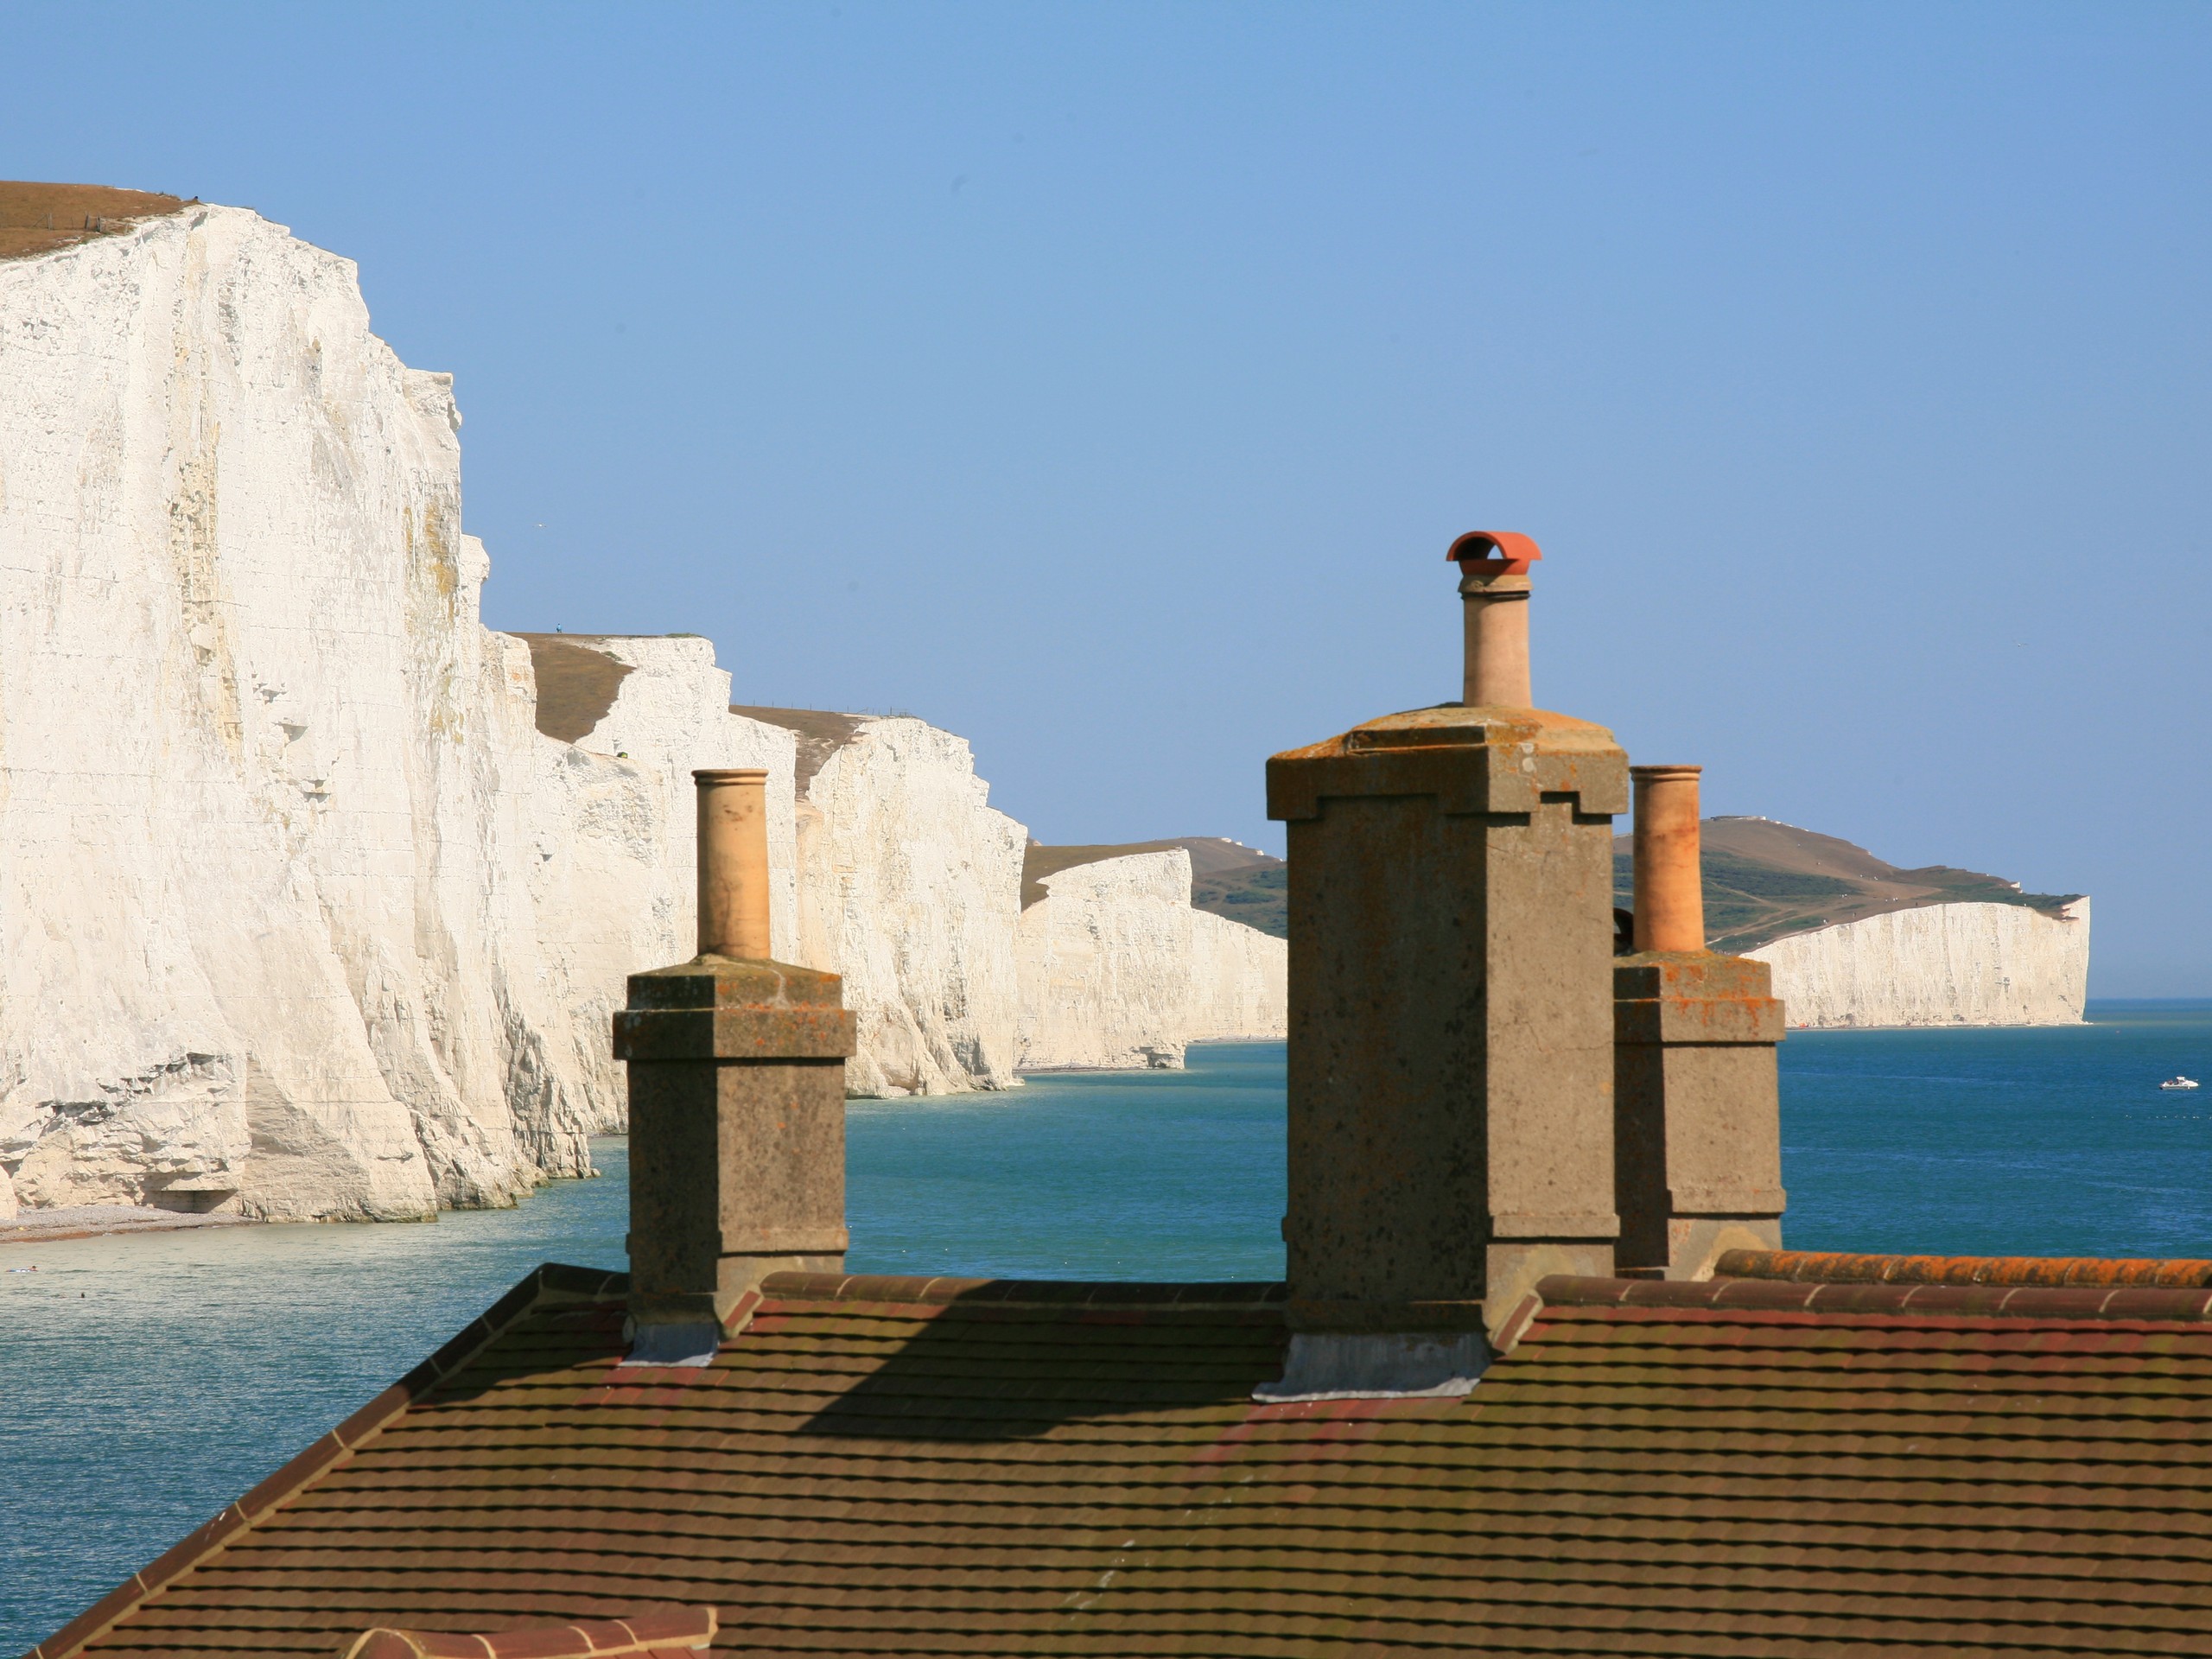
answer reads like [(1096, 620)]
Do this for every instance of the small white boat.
[(2178, 1082)]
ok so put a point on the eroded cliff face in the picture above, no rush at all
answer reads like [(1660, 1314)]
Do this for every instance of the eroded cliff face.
[(909, 885), (266, 943), (890, 869), (1968, 965), (1240, 982), (889, 866), (318, 897), (612, 838), (1118, 971)]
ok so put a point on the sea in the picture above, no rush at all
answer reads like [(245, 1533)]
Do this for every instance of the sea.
[(147, 1381)]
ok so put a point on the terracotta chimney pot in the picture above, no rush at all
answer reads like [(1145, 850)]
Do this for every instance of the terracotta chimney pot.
[(734, 863), (1494, 585), (1669, 885)]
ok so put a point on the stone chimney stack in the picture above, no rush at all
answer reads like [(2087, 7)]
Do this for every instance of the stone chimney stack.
[(1697, 1121), (1451, 1037), (737, 1103)]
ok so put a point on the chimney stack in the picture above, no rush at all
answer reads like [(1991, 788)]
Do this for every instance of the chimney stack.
[(737, 1103), (1451, 1043), (1494, 595), (1697, 1120)]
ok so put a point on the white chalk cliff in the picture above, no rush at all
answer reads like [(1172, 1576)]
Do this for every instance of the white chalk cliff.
[(889, 864), (613, 840), (1118, 970), (1955, 965), (909, 883), (1858, 941), (301, 914), (265, 942)]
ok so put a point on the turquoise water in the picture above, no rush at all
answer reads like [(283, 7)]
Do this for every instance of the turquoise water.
[(1097, 1175), (2041, 1142), (148, 1381)]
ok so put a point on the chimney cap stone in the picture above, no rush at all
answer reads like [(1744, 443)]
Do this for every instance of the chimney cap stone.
[(711, 982), (1521, 756)]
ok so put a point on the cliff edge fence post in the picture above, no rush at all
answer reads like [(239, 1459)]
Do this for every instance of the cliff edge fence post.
[(1697, 1130), (737, 1103), (1451, 1047)]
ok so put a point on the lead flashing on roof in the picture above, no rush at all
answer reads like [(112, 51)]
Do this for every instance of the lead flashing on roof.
[(1368, 1365), (694, 1343)]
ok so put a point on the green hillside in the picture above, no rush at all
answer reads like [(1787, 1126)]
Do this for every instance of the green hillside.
[(1257, 894)]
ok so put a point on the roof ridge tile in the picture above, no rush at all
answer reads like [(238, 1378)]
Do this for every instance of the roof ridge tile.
[(1842, 1266), (915, 1290), (2150, 1303)]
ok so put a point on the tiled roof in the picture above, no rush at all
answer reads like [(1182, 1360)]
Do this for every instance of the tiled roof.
[(912, 1466)]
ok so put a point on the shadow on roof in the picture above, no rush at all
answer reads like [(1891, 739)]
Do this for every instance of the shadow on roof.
[(997, 1360)]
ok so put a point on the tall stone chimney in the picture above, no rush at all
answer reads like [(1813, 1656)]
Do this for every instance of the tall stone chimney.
[(737, 1103), (1697, 1119), (1451, 1043)]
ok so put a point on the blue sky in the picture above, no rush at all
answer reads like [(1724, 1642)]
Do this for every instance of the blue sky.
[(1104, 383)]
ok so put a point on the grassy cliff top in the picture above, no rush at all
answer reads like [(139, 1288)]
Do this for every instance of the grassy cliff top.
[(39, 218), (576, 684)]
